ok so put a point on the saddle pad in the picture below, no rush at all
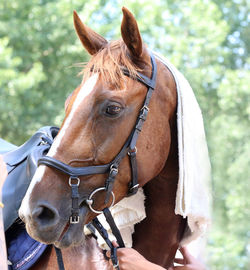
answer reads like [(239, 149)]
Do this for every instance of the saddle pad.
[(23, 251)]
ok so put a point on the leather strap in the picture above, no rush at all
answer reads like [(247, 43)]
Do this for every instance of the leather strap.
[(74, 218), (113, 227), (140, 78), (59, 258), (73, 171), (133, 186), (110, 182), (113, 250), (92, 230), (102, 231)]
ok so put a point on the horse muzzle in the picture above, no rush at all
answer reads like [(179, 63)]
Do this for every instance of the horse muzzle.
[(45, 224)]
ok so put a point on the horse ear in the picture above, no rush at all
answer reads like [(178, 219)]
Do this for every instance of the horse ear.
[(130, 33), (91, 41)]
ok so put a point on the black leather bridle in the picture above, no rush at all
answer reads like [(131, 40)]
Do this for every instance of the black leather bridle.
[(129, 148)]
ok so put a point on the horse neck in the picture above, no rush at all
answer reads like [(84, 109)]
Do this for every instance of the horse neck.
[(158, 236)]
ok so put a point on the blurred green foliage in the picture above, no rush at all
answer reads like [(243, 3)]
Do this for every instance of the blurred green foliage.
[(208, 40)]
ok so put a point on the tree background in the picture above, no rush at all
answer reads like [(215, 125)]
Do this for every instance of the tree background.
[(208, 40)]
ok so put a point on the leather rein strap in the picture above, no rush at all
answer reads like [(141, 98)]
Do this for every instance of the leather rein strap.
[(129, 148)]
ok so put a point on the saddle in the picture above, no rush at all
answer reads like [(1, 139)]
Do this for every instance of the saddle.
[(21, 165), (23, 251), (6, 146)]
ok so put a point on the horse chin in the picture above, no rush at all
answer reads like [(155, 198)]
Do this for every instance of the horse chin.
[(73, 233), (73, 236)]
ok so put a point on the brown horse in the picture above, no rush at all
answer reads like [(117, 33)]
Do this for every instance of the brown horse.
[(100, 115)]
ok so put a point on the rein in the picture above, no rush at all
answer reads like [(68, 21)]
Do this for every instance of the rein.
[(112, 168)]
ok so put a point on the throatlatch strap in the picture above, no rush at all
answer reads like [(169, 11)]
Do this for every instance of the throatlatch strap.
[(59, 258)]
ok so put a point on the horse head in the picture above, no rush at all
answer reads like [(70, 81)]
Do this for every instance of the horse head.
[(99, 117)]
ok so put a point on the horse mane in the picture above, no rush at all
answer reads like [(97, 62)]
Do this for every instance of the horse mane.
[(109, 62)]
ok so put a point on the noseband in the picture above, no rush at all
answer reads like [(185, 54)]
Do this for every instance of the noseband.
[(129, 148)]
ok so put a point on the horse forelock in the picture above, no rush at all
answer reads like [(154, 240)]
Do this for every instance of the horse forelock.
[(109, 62)]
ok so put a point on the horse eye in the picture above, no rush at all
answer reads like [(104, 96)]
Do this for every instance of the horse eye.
[(113, 110)]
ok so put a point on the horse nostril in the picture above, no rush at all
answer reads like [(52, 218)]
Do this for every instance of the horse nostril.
[(45, 215)]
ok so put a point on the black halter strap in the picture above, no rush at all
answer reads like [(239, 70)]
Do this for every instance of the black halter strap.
[(129, 148)]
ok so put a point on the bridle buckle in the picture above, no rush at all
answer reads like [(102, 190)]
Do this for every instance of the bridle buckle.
[(113, 169), (145, 107), (74, 219), (132, 151)]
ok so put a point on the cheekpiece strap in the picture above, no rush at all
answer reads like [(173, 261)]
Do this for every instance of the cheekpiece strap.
[(145, 108), (110, 181), (133, 186), (74, 183)]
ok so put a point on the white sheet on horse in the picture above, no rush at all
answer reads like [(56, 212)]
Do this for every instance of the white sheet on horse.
[(193, 192)]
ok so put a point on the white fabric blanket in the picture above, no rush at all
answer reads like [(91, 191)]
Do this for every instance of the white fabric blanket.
[(193, 192), (192, 198)]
